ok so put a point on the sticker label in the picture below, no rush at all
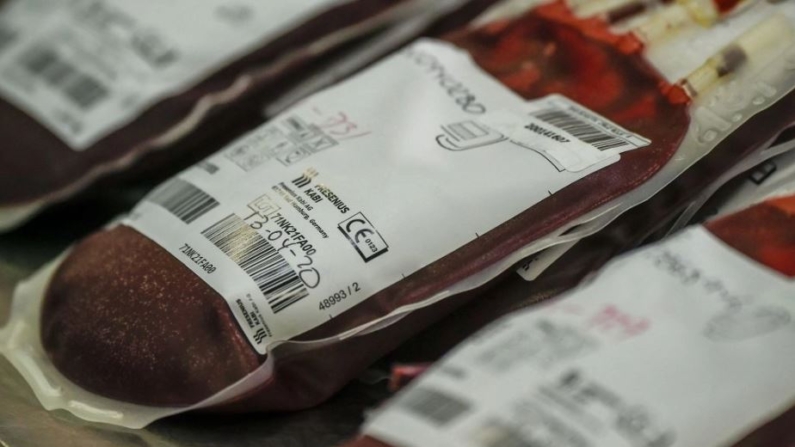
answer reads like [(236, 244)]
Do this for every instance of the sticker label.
[(655, 362), (84, 68), (572, 137), (341, 196)]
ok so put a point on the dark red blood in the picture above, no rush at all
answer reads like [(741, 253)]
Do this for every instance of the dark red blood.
[(623, 88), (765, 233), (124, 327), (725, 6)]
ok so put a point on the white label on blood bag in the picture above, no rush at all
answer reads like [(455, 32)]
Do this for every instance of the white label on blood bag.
[(84, 68), (351, 191)]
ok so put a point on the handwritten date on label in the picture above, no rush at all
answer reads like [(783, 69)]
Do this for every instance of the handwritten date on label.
[(289, 243)]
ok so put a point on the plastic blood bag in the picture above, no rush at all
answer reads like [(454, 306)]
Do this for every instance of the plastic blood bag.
[(132, 320), (715, 299), (91, 88), (70, 326), (557, 270), (635, 226)]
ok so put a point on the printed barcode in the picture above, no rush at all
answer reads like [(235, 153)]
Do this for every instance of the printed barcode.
[(183, 200), (81, 89), (580, 129), (433, 405), (7, 37), (274, 277)]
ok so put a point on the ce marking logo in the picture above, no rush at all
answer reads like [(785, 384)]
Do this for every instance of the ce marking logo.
[(363, 236)]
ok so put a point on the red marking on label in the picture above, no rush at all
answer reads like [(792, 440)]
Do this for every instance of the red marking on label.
[(613, 321)]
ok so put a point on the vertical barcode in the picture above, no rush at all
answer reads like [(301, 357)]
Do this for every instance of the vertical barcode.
[(183, 200), (7, 37), (580, 129), (81, 89), (274, 277), (433, 405)]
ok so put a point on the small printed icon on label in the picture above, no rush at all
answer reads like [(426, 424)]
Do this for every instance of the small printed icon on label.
[(292, 156), (260, 335), (305, 179), (364, 237), (264, 206), (467, 135), (314, 139)]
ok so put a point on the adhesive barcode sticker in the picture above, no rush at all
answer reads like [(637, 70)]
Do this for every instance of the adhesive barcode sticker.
[(80, 89), (183, 200), (572, 136), (273, 275), (583, 130), (434, 406)]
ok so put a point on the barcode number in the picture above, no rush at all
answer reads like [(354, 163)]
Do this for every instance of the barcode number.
[(581, 129)]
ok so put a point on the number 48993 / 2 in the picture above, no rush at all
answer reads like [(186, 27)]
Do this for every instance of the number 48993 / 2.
[(338, 297)]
